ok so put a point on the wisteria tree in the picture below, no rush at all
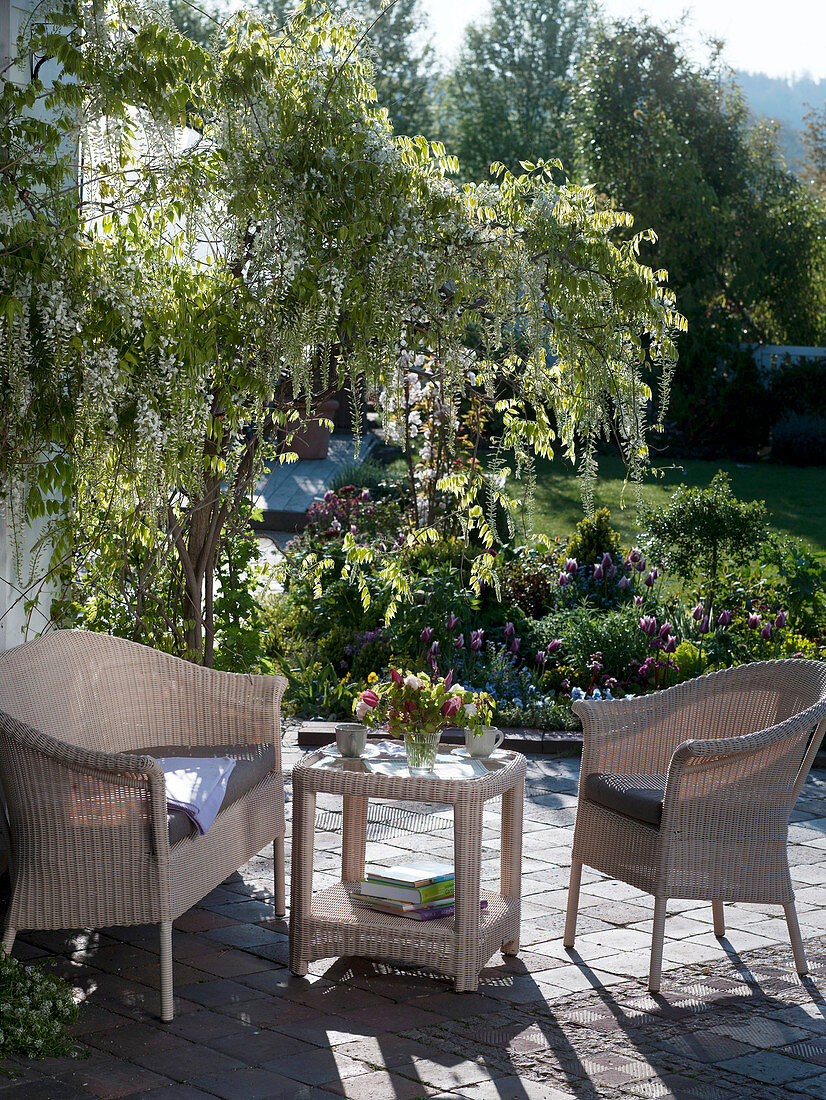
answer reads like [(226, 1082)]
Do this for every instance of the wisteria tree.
[(249, 234)]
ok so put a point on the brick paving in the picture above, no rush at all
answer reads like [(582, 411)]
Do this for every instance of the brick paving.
[(733, 1020)]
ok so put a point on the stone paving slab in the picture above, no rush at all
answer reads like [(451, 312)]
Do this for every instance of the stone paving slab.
[(733, 1019)]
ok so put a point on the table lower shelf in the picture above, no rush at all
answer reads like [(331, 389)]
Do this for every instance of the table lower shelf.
[(336, 927)]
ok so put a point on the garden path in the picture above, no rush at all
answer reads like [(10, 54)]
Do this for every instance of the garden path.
[(733, 1019)]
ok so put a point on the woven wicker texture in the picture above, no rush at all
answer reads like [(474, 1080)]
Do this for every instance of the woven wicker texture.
[(87, 820), (327, 924), (736, 747)]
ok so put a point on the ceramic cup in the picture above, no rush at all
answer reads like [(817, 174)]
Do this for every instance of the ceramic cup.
[(484, 742), (351, 739)]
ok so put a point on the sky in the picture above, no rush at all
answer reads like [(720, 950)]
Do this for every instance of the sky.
[(782, 39)]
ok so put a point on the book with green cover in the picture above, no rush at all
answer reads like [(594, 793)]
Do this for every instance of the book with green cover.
[(415, 894), (400, 906)]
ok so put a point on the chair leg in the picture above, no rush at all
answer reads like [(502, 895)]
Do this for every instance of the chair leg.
[(278, 864), (656, 967), (8, 939), (167, 1009), (719, 918), (573, 905), (801, 966)]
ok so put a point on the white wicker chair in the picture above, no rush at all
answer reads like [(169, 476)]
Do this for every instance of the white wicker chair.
[(91, 844), (687, 793)]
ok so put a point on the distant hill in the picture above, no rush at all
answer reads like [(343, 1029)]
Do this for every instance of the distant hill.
[(785, 101)]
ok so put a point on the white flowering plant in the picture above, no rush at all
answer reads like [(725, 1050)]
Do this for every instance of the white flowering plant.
[(35, 1009), (413, 702)]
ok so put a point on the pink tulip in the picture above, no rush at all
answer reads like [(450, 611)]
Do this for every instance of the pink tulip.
[(563, 579), (459, 642), (724, 618), (697, 613), (514, 646), (510, 630), (766, 632), (476, 640), (781, 620), (607, 560), (365, 494), (754, 621), (639, 601), (671, 645), (704, 625), (451, 706), (541, 658), (623, 583), (361, 710), (396, 676), (426, 635), (648, 625), (370, 698), (448, 679), (598, 571), (553, 646), (571, 566), (451, 622)]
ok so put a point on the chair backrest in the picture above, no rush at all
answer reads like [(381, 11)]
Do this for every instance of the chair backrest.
[(112, 695)]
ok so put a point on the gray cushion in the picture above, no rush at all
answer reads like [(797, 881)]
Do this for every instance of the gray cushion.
[(637, 796), (252, 764)]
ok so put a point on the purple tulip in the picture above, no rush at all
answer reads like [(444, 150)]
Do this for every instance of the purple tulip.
[(648, 625), (780, 621), (724, 618), (449, 679), (649, 579), (607, 560), (639, 601), (766, 632), (665, 630), (571, 566), (671, 645), (623, 583), (476, 639), (754, 621), (515, 644), (704, 625), (459, 642), (563, 579), (697, 613), (598, 571), (365, 494), (510, 631), (553, 646), (541, 658), (451, 622), (433, 653), (641, 565), (426, 635), (634, 556), (612, 571)]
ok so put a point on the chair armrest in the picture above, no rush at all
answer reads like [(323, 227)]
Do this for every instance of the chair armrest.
[(129, 782), (750, 772), (623, 736)]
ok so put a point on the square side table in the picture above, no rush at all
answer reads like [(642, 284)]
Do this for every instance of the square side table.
[(328, 924)]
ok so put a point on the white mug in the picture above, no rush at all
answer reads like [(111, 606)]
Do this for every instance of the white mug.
[(483, 743), (351, 738)]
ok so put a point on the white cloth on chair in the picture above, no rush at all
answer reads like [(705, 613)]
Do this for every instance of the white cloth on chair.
[(196, 785)]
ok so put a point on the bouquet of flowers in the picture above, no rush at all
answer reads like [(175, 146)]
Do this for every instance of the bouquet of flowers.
[(416, 703)]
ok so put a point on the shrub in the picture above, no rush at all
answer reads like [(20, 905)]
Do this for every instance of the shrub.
[(799, 387), (799, 439), (365, 475), (594, 537), (582, 633), (529, 580)]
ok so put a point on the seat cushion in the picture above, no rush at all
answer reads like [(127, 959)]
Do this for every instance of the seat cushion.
[(637, 796), (252, 763)]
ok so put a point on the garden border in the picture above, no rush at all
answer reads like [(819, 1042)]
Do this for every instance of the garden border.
[(313, 734)]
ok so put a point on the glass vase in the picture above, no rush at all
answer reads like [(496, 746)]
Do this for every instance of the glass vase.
[(421, 747)]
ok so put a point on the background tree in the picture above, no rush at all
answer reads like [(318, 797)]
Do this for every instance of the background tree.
[(739, 234), (814, 140), (505, 100)]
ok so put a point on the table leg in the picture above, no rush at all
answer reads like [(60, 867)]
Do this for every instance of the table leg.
[(301, 880), (354, 837), (513, 801), (467, 858)]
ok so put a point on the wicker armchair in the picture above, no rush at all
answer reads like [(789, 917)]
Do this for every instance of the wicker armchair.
[(91, 843), (680, 797)]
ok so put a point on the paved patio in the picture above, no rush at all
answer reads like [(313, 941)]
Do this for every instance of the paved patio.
[(733, 1019)]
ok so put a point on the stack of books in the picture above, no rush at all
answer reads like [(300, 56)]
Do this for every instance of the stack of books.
[(420, 891)]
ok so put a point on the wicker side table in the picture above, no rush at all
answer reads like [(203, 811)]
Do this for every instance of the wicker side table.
[(327, 924)]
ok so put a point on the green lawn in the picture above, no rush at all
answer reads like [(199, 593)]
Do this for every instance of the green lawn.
[(795, 496)]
